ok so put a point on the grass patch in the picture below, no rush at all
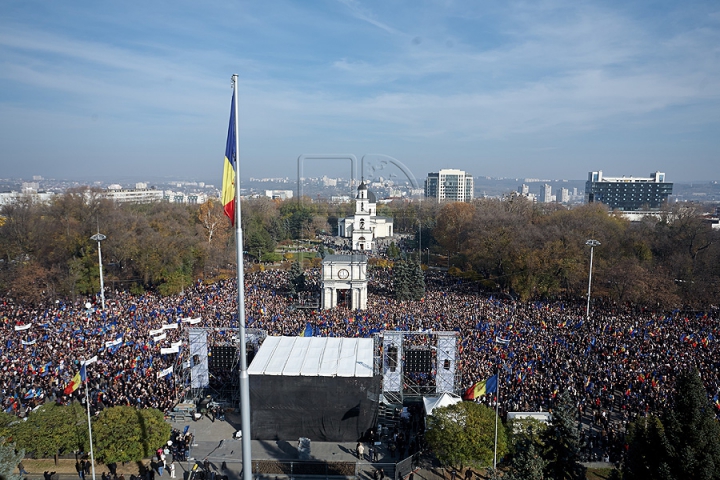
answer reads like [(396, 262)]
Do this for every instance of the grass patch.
[(599, 473)]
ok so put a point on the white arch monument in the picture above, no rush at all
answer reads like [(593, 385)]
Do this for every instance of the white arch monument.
[(344, 280)]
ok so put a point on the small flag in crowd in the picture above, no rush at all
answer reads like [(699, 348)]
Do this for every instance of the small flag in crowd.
[(73, 385)]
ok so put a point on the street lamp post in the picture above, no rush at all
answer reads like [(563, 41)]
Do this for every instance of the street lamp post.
[(592, 244), (419, 241), (99, 237)]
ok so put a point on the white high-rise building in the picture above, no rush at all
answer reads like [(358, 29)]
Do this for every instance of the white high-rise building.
[(329, 182), (524, 191), (546, 195), (450, 185)]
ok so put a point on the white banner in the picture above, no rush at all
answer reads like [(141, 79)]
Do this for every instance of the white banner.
[(164, 372), (169, 326), (29, 343), (166, 351), (160, 337), (176, 344), (192, 321), (90, 361), (155, 332), (20, 328), (112, 343)]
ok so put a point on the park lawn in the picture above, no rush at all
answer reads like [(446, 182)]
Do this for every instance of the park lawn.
[(599, 473), (36, 467)]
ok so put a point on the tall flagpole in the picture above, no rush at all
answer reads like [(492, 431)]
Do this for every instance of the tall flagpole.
[(503, 342), (244, 380), (497, 414), (87, 405)]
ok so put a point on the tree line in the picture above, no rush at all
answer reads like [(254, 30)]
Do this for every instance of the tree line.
[(510, 245), (537, 251), (120, 434)]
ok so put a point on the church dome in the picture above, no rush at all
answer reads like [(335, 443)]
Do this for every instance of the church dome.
[(371, 197), (362, 186)]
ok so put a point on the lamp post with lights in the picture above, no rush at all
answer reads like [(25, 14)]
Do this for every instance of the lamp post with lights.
[(592, 244), (99, 237)]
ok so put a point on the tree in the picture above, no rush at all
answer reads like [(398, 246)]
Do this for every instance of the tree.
[(213, 221), (691, 430), (155, 430), (296, 280), (31, 284), (53, 429), (454, 226), (408, 280), (126, 434), (562, 442), (393, 252), (297, 217), (527, 462), (6, 421), (258, 239), (10, 458), (401, 280), (463, 435), (648, 450), (417, 281)]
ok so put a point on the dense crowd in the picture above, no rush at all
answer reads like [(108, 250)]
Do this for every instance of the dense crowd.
[(619, 363)]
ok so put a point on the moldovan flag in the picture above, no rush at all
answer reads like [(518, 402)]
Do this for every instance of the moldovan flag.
[(481, 388), (228, 185), (73, 385)]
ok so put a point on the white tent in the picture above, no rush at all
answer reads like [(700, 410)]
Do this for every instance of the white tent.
[(431, 403)]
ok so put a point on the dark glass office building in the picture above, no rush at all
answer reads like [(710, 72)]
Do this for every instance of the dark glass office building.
[(628, 193)]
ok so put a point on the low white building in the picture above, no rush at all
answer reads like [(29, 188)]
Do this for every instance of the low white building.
[(279, 194), (133, 195), (7, 198)]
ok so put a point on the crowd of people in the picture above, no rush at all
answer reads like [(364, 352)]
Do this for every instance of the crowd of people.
[(621, 362)]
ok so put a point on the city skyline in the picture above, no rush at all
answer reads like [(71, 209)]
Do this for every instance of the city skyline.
[(549, 90)]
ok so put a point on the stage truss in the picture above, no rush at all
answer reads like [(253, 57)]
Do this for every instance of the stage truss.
[(196, 377), (416, 364), (412, 364)]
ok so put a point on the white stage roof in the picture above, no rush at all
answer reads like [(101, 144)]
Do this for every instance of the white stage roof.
[(314, 357)]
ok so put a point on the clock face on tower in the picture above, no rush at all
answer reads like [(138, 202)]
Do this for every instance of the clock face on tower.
[(343, 273)]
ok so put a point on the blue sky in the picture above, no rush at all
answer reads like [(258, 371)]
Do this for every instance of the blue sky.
[(549, 89)]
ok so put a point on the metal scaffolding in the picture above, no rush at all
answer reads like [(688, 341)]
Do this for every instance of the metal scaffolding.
[(416, 364), (192, 364)]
